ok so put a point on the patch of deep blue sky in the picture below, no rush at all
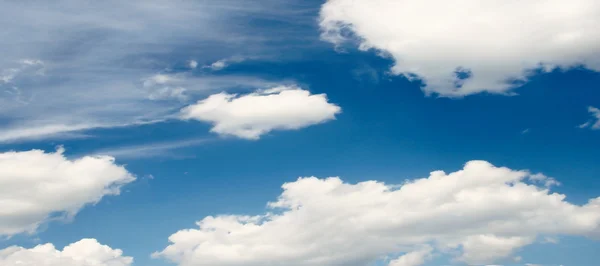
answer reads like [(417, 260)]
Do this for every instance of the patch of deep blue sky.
[(388, 131)]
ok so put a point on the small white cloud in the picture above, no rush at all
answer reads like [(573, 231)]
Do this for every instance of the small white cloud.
[(253, 115), (193, 64), (525, 131), (32, 62), (163, 86), (480, 215), (158, 79), (223, 63), (472, 46), (594, 122), (36, 186), (86, 252), (218, 65)]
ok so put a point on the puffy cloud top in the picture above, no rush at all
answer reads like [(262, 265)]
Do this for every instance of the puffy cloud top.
[(483, 211), (86, 252), (490, 41), (35, 186)]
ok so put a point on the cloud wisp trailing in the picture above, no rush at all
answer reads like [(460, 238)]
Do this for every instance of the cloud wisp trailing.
[(481, 214), (468, 47), (594, 122), (144, 151)]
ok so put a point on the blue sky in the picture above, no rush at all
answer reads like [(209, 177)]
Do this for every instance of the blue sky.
[(102, 83)]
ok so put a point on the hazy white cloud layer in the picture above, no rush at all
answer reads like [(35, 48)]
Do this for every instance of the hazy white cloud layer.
[(495, 41), (252, 115), (36, 187), (86, 252), (480, 214), (594, 122), (69, 65)]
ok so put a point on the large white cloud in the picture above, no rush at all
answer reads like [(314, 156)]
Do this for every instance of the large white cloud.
[(483, 212), (86, 252), (252, 115), (495, 40), (36, 187)]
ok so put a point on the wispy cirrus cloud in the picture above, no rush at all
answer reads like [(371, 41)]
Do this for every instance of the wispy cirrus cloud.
[(88, 64), (594, 122)]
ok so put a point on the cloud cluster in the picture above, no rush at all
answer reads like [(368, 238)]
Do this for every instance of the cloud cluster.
[(483, 212), (93, 57), (36, 187), (252, 115), (86, 252), (593, 123), (467, 47)]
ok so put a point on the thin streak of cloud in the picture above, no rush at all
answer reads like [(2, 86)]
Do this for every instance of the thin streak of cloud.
[(160, 149)]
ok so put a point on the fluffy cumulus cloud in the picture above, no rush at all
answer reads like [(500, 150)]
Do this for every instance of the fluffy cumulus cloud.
[(481, 214), (36, 187), (594, 122), (252, 115), (492, 42), (86, 252)]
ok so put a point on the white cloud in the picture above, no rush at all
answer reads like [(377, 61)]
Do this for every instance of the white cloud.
[(193, 64), (252, 115), (593, 123), (414, 258), (36, 187), (494, 40), (164, 87), (487, 212), (218, 65), (223, 63), (86, 252)]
